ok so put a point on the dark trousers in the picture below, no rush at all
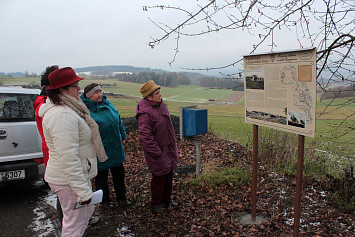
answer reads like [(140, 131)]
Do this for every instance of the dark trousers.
[(118, 176), (161, 188), (59, 212)]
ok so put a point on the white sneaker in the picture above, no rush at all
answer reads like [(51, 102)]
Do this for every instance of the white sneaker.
[(94, 220)]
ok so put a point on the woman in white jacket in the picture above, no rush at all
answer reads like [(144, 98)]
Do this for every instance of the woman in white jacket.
[(74, 142)]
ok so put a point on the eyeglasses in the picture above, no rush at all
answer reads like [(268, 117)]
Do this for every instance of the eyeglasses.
[(75, 84)]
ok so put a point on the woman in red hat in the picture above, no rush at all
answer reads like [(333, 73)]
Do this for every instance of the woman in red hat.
[(74, 142)]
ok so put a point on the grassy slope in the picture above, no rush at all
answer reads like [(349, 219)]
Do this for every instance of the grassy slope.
[(227, 120)]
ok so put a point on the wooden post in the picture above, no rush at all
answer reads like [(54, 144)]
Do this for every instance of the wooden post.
[(299, 181), (255, 172)]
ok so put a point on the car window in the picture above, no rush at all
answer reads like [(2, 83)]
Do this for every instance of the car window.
[(17, 107)]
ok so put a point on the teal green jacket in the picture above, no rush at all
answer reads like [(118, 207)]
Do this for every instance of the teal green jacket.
[(111, 129)]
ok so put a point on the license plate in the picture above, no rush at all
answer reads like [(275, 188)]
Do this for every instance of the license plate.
[(12, 175)]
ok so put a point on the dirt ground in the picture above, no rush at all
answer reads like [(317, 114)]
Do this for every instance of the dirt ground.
[(235, 96), (217, 210)]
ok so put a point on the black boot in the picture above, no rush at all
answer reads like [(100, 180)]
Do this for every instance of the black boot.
[(157, 209), (124, 202), (170, 203)]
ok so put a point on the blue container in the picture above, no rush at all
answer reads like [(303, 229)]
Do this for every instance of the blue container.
[(195, 122)]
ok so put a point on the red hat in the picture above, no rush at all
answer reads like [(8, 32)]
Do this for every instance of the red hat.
[(62, 77)]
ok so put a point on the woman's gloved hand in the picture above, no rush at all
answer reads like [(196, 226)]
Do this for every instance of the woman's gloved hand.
[(85, 202)]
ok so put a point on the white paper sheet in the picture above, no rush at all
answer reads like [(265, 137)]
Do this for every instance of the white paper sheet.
[(96, 198)]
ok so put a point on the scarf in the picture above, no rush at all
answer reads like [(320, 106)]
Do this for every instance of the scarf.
[(80, 108)]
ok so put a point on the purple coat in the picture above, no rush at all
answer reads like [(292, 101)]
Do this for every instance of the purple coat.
[(157, 137)]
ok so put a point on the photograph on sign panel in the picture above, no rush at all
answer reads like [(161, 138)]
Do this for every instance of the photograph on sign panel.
[(255, 114), (273, 118), (296, 119), (254, 80)]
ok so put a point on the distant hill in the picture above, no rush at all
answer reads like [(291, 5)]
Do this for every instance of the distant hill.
[(194, 76), (13, 74), (342, 91), (112, 69), (140, 75)]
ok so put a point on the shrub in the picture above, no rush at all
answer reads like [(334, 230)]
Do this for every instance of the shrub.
[(216, 177), (343, 190)]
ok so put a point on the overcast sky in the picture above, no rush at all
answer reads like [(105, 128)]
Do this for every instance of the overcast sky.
[(81, 33)]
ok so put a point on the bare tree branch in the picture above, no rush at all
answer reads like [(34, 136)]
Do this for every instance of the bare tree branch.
[(325, 24), (153, 43)]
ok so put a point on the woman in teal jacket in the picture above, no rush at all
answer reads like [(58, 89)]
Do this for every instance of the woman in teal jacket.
[(113, 134)]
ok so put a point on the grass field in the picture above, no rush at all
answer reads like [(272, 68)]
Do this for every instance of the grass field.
[(330, 152), (226, 119)]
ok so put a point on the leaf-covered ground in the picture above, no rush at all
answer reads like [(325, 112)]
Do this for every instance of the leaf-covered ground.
[(207, 211)]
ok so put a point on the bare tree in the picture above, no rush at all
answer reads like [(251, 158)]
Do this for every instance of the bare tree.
[(325, 24)]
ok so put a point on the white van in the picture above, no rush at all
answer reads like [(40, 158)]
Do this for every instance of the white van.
[(21, 155)]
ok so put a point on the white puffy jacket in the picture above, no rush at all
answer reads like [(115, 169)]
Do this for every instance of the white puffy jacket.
[(72, 158)]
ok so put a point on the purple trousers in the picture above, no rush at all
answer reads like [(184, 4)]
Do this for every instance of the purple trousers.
[(161, 188)]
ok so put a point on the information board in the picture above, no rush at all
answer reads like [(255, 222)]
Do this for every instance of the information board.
[(280, 90)]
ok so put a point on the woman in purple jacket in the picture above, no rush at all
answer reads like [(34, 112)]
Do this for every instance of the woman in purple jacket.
[(157, 137)]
